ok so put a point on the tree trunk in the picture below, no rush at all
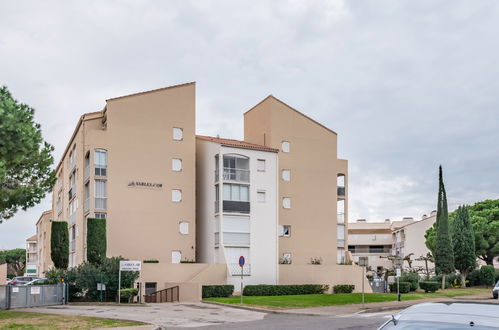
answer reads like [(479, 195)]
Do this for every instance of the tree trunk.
[(463, 279), (443, 281)]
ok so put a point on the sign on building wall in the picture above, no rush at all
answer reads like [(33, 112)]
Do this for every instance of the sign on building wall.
[(146, 185), (131, 266)]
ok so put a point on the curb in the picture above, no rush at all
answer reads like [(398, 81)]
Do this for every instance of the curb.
[(258, 309)]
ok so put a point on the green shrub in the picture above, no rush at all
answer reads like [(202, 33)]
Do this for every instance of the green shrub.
[(152, 261), (343, 288), (404, 287), (497, 275), (59, 244), (429, 286), (215, 291), (96, 240), (438, 278), (412, 278), (283, 290), (454, 280), (473, 278), (128, 294), (487, 275)]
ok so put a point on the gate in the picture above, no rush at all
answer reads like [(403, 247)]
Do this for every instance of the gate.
[(31, 296)]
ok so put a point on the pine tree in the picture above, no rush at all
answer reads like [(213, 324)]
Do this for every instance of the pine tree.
[(463, 239), (444, 253)]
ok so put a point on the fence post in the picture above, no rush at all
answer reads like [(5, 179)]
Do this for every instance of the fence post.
[(7, 296)]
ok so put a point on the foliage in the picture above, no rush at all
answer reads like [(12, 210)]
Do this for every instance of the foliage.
[(429, 286), (128, 294), (487, 275), (484, 217), (25, 159), (151, 261), (315, 261), (438, 278), (96, 240), (16, 259), (412, 278), (444, 255), (217, 291), (284, 261), (463, 241), (343, 288), (83, 279), (404, 287), (188, 261), (59, 244), (283, 290), (454, 280), (473, 278)]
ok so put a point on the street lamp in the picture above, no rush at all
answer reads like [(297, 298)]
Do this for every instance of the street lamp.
[(363, 264), (397, 262)]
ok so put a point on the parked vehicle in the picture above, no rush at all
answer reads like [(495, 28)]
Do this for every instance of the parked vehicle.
[(22, 280), (452, 315), (38, 281), (495, 291)]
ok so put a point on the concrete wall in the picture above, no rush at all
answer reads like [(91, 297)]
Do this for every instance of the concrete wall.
[(3, 274), (323, 274)]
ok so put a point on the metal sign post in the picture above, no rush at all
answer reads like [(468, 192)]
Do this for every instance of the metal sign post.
[(241, 264), (398, 264), (127, 266), (363, 264)]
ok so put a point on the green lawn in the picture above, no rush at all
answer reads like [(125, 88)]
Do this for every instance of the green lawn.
[(314, 300), (26, 320)]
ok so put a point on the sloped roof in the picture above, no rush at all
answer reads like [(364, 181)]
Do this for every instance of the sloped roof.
[(32, 238), (236, 143), (153, 90)]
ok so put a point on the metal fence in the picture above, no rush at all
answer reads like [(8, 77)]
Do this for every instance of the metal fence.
[(12, 296)]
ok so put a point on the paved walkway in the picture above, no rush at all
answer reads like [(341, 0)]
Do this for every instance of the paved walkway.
[(159, 315)]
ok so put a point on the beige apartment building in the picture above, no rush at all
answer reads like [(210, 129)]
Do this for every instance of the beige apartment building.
[(43, 232), (31, 256)]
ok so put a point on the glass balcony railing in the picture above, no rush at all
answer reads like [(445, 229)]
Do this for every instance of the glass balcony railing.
[(236, 206), (234, 174)]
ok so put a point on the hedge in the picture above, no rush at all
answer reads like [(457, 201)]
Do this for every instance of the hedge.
[(215, 291), (343, 288), (128, 294), (96, 240), (429, 286), (284, 290), (487, 275), (404, 287), (59, 244), (412, 278)]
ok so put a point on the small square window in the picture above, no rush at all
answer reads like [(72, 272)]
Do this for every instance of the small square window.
[(99, 215), (184, 227), (286, 202), (176, 257), (178, 134), (285, 146), (286, 175), (286, 258), (260, 165), (176, 164), (286, 231), (176, 195), (260, 196)]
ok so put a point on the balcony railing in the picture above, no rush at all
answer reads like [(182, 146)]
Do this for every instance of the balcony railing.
[(341, 191), (72, 218), (100, 203), (217, 238), (236, 238), (234, 174), (340, 218), (72, 245), (86, 205), (236, 206), (217, 206), (58, 206), (236, 270), (371, 250), (87, 171), (340, 243)]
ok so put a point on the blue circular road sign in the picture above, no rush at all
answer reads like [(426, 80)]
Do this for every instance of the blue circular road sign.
[(241, 261)]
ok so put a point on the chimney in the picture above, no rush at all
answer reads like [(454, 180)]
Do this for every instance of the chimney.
[(433, 213), (424, 216)]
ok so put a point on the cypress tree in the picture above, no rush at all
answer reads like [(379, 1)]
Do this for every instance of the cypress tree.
[(463, 239), (59, 244), (96, 240), (444, 253)]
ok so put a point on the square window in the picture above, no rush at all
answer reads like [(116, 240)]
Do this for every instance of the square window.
[(286, 231), (286, 258), (176, 164), (260, 196), (260, 165), (99, 215), (176, 195), (176, 257), (184, 227), (178, 134), (285, 146), (286, 202), (286, 175)]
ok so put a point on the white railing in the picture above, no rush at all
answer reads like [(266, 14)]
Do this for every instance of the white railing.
[(340, 243), (72, 218), (100, 203), (217, 238), (236, 238), (235, 269), (235, 174)]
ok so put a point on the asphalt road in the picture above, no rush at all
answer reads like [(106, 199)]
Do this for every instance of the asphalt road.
[(288, 322)]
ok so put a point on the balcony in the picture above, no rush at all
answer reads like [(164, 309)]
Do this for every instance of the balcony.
[(340, 243), (234, 174), (238, 239), (100, 203), (341, 191), (236, 270), (217, 206), (371, 250), (217, 238), (72, 218), (86, 205), (72, 245), (87, 172), (340, 218), (236, 207)]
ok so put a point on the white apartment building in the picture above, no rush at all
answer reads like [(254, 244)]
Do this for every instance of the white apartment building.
[(237, 208), (31, 256)]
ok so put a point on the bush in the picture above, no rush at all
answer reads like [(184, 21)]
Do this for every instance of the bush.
[(96, 240), (429, 286), (210, 291), (59, 244), (473, 278), (128, 294), (412, 278), (438, 278), (283, 290), (343, 288), (152, 261), (487, 275), (497, 275), (404, 287), (454, 280)]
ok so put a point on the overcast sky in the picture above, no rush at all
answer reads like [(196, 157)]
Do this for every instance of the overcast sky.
[(408, 85)]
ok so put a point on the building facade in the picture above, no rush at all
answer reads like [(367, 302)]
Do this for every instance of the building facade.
[(43, 234), (31, 256)]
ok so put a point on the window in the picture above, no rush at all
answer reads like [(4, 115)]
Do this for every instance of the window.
[(178, 134), (184, 227), (150, 287), (176, 195), (100, 162), (340, 235), (286, 202), (341, 257), (100, 215), (176, 164), (260, 165), (86, 205), (286, 258), (286, 231), (217, 199), (176, 257), (286, 175), (260, 196), (100, 194), (72, 184), (236, 168), (87, 165), (285, 146), (236, 192)]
